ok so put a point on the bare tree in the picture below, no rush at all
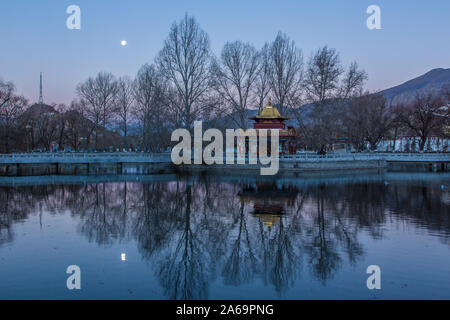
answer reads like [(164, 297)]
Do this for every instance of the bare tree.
[(354, 126), (322, 76), (422, 116), (322, 124), (77, 128), (97, 97), (234, 77), (11, 107), (151, 107), (73, 129), (379, 119), (321, 84), (124, 102), (353, 81), (185, 62), (368, 120), (328, 92), (60, 109), (263, 78), (6, 92), (286, 63), (41, 123), (47, 131)]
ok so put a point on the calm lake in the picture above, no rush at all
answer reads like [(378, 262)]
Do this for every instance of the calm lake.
[(226, 237)]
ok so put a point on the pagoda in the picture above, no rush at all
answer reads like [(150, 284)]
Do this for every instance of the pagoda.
[(270, 119)]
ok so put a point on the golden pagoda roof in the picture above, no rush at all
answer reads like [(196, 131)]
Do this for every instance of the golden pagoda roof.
[(268, 219), (270, 112)]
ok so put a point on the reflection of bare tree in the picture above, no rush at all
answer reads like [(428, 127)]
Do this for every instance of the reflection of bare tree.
[(324, 258), (284, 258), (102, 216), (7, 216), (240, 266), (195, 229), (347, 235), (183, 272), (279, 251), (156, 216), (16, 204)]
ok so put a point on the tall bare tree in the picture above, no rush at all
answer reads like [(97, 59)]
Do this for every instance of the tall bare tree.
[(378, 119), (11, 107), (6, 92), (327, 87), (77, 129), (263, 78), (368, 120), (185, 62), (322, 76), (286, 63), (234, 77), (47, 129), (11, 104), (353, 124), (321, 84), (124, 102), (151, 106), (97, 96)]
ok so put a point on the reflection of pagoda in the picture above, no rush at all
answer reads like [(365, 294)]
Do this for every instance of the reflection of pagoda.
[(270, 119), (269, 200), (268, 219)]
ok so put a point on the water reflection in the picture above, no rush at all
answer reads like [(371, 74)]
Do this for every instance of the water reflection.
[(199, 229)]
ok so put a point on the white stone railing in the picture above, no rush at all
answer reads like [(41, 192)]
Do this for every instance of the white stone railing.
[(416, 157), (165, 157), (330, 157), (84, 157), (407, 157)]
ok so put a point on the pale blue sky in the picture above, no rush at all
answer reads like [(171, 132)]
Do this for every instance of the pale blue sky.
[(415, 36)]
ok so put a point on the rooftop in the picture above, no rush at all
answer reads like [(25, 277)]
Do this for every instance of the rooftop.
[(270, 112)]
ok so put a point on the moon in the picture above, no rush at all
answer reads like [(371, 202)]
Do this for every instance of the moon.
[(123, 43)]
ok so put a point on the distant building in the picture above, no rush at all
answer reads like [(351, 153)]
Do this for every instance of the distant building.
[(411, 144), (270, 119)]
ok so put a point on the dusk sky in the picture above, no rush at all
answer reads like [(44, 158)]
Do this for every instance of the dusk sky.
[(413, 40)]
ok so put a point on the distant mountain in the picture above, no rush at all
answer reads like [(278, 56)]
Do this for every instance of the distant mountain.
[(432, 81)]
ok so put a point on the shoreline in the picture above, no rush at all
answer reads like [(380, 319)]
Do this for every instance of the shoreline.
[(299, 179), (84, 164)]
